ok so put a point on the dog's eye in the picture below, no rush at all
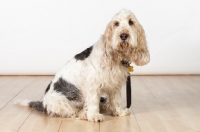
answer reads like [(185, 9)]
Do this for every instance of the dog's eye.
[(130, 22), (116, 23)]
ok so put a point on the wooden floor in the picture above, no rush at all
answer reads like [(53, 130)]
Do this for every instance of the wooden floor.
[(159, 104)]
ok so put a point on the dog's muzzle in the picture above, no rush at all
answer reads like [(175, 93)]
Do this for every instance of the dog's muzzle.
[(124, 36), (103, 100)]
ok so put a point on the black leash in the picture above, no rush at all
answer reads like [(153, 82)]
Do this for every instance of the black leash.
[(128, 83), (128, 91)]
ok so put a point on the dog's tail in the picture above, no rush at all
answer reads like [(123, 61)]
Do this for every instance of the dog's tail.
[(38, 105)]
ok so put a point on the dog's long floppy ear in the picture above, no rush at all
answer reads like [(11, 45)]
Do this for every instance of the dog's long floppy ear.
[(140, 53), (107, 37), (108, 34)]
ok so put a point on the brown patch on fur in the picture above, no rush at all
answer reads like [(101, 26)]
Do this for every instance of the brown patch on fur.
[(123, 45), (110, 57), (140, 56)]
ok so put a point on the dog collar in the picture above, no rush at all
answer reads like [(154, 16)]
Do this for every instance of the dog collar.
[(127, 65)]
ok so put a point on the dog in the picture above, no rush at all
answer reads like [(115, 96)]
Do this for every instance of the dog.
[(96, 74)]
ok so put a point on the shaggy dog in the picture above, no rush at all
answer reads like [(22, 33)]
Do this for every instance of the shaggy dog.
[(96, 73)]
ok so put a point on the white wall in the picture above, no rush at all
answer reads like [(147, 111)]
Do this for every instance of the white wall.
[(39, 36)]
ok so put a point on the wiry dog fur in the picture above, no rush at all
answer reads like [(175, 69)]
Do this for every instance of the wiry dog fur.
[(76, 89)]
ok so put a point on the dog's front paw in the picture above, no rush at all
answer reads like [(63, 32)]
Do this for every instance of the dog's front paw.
[(95, 117), (122, 112)]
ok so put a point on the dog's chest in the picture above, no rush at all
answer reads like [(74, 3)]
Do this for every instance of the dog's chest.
[(113, 77)]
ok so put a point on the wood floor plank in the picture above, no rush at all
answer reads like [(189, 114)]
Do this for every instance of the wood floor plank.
[(75, 125), (177, 126), (119, 124), (158, 85), (188, 111), (192, 81), (6, 78), (14, 115), (147, 111), (12, 87), (139, 88), (39, 122), (174, 111), (182, 85), (158, 116), (196, 78)]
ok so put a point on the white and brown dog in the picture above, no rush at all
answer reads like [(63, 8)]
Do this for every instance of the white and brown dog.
[(76, 90)]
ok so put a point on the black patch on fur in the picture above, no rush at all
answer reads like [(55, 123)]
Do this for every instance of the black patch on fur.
[(84, 54), (103, 100), (45, 111), (37, 105), (69, 90), (48, 87)]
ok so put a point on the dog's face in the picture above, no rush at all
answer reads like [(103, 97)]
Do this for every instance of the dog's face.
[(123, 31), (125, 35)]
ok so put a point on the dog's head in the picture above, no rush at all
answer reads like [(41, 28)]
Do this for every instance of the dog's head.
[(125, 36)]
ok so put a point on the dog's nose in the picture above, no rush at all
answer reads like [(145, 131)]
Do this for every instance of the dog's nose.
[(123, 36)]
